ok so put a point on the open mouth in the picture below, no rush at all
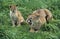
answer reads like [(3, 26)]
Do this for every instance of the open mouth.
[(29, 22)]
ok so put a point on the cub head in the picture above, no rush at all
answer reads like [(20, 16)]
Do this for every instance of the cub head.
[(13, 7)]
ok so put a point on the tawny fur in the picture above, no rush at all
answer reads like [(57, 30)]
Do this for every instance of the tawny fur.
[(16, 16), (41, 15)]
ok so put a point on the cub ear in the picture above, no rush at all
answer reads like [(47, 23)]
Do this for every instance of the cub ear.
[(16, 5), (10, 6)]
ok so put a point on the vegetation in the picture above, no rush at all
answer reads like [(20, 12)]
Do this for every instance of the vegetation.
[(49, 31)]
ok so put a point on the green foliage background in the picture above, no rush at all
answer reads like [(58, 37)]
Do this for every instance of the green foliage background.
[(50, 31)]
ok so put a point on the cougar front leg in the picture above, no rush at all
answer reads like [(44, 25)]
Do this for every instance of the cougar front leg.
[(13, 23)]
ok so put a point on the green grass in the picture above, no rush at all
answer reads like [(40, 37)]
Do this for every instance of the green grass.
[(49, 31)]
